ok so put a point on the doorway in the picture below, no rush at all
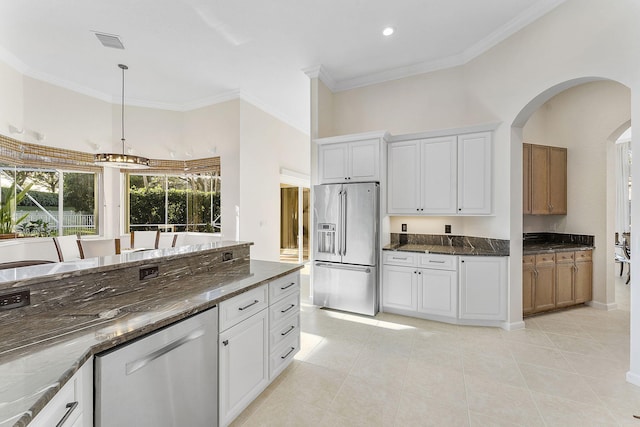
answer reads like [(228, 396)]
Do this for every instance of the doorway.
[(294, 223)]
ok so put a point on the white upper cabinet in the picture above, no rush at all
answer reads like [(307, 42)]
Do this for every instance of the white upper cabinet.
[(475, 156), (351, 161), (441, 176)]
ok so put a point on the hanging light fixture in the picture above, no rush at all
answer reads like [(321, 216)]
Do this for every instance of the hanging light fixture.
[(121, 161)]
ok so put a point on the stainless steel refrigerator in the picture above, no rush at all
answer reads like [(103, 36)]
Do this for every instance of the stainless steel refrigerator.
[(345, 268)]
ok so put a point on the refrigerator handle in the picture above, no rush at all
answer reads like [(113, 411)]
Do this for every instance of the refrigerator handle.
[(340, 222), (344, 223), (344, 267)]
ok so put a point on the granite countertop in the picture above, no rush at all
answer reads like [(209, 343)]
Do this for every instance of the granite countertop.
[(546, 247), (445, 250), (41, 351)]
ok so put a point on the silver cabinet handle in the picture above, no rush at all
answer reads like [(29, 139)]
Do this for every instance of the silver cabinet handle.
[(436, 262), (288, 331), (288, 286), (288, 353), (288, 308), (131, 367), (400, 258), (71, 406), (247, 306)]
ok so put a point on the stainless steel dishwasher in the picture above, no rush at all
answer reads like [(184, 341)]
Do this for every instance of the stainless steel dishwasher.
[(168, 378)]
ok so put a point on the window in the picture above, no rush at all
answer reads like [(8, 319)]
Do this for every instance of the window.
[(188, 202), (49, 202)]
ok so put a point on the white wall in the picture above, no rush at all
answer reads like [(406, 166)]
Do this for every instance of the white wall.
[(266, 146)]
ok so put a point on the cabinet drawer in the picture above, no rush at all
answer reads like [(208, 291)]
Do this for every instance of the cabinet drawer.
[(399, 258), (564, 257), (583, 256), (62, 404), (284, 330), (528, 259), (545, 259), (284, 286), (284, 308), (283, 355), (438, 262), (243, 306)]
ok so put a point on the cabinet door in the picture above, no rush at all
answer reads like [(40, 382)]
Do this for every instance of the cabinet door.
[(244, 365), (475, 158), (403, 179), (557, 181), (363, 161), (399, 288), (583, 281), (528, 282), (483, 288), (439, 176), (564, 284), (332, 160), (526, 178), (545, 286), (438, 292), (539, 179)]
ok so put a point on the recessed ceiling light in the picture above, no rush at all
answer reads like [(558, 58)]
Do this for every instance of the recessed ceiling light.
[(388, 31)]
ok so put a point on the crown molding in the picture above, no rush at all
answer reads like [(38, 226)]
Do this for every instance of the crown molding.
[(320, 73)]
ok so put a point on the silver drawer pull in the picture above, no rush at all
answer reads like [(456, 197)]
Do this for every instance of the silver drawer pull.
[(287, 309), (437, 262), (288, 353), (247, 306), (400, 258), (288, 286), (71, 406), (288, 330)]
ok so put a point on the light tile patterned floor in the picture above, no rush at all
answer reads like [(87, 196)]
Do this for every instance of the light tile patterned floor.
[(564, 369)]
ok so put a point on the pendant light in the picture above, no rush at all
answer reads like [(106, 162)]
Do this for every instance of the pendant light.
[(121, 161)]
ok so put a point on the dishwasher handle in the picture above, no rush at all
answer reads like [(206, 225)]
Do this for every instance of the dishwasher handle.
[(140, 363)]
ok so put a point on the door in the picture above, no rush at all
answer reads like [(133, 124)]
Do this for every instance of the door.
[(400, 289), (539, 180), (545, 287), (526, 178), (565, 269), (346, 287), (557, 181), (475, 159), (583, 281), (439, 175), (364, 161), (360, 225), (528, 283), (438, 292), (333, 163), (483, 288), (403, 196), (327, 210)]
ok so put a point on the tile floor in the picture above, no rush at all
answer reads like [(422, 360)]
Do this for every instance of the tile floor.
[(564, 369)]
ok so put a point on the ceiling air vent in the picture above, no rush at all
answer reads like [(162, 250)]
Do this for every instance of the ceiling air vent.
[(109, 40)]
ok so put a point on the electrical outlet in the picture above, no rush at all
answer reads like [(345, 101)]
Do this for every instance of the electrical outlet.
[(404, 228), (447, 228), (149, 272), (227, 256), (15, 299)]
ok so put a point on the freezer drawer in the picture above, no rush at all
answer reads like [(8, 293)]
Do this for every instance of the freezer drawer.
[(346, 287)]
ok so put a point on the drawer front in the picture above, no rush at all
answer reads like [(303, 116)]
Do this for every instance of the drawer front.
[(564, 257), (243, 306), (284, 308), (528, 259), (439, 262), (583, 256), (284, 330), (283, 355), (545, 259), (286, 285), (399, 258)]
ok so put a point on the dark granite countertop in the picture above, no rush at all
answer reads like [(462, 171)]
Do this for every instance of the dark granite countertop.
[(52, 344), (545, 242), (542, 248), (444, 250)]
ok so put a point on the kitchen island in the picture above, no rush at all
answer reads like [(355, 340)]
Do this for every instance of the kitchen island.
[(82, 308)]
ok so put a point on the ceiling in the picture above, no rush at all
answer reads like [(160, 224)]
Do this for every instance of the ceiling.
[(185, 54)]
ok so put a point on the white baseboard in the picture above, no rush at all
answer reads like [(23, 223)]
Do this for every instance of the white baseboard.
[(602, 306), (633, 378), (513, 326)]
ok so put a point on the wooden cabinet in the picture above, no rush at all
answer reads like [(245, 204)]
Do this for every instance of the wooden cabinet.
[(357, 161), (483, 288), (551, 281), (544, 180), (72, 406), (441, 176)]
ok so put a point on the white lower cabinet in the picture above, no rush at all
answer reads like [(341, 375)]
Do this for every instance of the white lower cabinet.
[(243, 364), (438, 292), (72, 406), (483, 288), (400, 290)]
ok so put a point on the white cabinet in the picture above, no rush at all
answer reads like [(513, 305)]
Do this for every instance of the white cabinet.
[(355, 161), (429, 287), (72, 406), (483, 288), (441, 176), (243, 351), (284, 318)]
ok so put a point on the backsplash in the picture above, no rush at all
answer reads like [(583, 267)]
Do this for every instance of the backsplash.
[(485, 243), (545, 237)]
